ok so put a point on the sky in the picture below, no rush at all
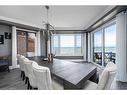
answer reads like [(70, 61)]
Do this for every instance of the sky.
[(67, 41), (110, 37)]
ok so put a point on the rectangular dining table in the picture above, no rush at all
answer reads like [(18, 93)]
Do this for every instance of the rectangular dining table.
[(73, 75)]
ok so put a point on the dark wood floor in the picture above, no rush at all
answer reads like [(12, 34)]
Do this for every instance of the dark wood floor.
[(117, 85), (12, 80)]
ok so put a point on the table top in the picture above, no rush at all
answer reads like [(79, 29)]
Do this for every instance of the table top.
[(71, 72)]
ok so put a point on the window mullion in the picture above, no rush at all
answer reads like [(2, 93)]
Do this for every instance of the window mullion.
[(103, 47), (59, 44), (75, 44)]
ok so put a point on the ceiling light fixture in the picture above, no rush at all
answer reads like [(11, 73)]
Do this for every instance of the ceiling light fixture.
[(48, 31)]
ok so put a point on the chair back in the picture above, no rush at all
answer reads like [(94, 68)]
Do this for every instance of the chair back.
[(21, 58), (43, 77), (30, 73), (107, 76), (26, 61), (112, 69)]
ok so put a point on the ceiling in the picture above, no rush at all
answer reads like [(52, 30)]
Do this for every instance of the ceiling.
[(61, 17)]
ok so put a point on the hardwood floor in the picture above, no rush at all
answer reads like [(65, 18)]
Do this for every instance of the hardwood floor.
[(117, 85), (12, 80)]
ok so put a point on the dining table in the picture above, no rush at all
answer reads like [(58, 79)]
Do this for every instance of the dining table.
[(73, 75)]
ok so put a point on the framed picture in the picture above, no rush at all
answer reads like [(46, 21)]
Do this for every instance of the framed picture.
[(7, 35), (1, 39)]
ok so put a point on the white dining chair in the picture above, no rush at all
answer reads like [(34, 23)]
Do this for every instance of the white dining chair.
[(26, 61), (43, 78), (105, 80), (31, 78), (20, 60)]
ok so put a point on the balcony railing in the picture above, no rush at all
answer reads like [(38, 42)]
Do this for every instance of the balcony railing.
[(109, 57)]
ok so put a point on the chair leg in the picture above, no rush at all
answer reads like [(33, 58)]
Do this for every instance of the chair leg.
[(23, 76), (35, 88), (28, 86), (26, 80)]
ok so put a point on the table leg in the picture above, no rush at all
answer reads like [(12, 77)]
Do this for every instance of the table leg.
[(95, 78)]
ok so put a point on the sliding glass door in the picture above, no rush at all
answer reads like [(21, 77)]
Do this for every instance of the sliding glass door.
[(110, 43), (97, 56), (104, 45)]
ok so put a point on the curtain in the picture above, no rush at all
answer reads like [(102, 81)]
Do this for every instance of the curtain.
[(121, 46)]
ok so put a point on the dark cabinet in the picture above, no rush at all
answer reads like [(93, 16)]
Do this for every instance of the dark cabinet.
[(4, 63)]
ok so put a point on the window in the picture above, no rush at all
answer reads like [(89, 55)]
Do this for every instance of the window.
[(104, 45), (78, 45), (31, 44), (56, 45), (67, 44), (110, 43)]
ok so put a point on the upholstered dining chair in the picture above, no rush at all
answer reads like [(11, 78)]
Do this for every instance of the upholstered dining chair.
[(26, 61), (106, 79), (20, 60), (43, 78), (31, 78)]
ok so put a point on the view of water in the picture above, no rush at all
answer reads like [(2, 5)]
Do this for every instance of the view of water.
[(71, 51), (67, 51), (107, 49)]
